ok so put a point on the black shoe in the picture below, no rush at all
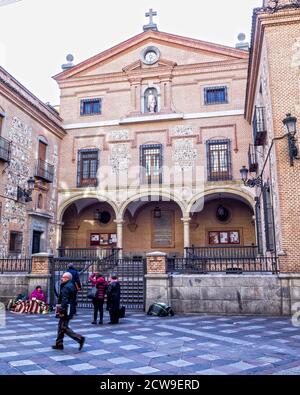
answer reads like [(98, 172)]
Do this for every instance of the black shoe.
[(94, 323), (56, 347), (101, 322), (81, 343)]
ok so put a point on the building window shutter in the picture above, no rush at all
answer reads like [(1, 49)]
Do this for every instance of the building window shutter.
[(258, 227), (269, 219)]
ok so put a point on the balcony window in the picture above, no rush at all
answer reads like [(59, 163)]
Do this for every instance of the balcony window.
[(15, 242), (219, 160), (151, 163), (252, 159), (259, 126), (88, 161), (4, 150)]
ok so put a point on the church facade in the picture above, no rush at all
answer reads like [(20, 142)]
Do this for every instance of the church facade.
[(147, 151), (156, 138)]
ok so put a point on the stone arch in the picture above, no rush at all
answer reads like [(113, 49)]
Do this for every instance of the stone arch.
[(102, 198), (247, 197), (141, 195)]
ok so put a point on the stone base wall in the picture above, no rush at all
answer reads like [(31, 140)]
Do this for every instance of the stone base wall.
[(226, 294), (12, 285)]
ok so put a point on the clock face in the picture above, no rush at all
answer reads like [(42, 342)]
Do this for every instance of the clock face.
[(150, 56)]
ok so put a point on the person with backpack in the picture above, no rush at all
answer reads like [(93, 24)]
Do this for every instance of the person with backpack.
[(75, 280), (100, 283)]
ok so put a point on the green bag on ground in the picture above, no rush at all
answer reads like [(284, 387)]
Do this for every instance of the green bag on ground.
[(160, 310)]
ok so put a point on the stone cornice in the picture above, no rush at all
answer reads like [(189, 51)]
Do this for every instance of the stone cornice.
[(154, 118), (140, 74), (262, 19), (20, 96)]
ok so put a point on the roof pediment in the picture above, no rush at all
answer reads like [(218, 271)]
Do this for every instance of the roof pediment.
[(175, 50)]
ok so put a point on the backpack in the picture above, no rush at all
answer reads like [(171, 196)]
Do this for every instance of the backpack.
[(160, 310)]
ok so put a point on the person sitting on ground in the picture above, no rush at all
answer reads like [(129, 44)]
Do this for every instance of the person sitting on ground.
[(100, 283), (38, 294)]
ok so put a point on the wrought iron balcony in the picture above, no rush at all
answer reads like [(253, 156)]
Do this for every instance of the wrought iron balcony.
[(259, 126), (45, 171), (252, 158), (4, 150)]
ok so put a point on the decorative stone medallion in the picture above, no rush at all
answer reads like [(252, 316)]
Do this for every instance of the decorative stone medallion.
[(184, 154)]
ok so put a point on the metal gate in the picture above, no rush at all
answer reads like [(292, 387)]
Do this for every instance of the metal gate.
[(131, 275)]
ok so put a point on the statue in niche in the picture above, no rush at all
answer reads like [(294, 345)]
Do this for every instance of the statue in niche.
[(151, 100)]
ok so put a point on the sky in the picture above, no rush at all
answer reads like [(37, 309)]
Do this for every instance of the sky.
[(36, 35)]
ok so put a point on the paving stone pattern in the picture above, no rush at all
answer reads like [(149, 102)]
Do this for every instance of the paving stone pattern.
[(142, 345)]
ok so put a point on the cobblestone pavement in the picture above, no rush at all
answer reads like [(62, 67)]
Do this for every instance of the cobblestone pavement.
[(142, 345)]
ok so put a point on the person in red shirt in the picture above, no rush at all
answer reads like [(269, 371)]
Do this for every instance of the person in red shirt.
[(100, 283)]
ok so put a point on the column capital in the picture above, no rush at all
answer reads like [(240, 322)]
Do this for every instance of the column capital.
[(119, 221)]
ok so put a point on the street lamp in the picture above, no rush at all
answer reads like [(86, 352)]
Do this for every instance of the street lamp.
[(290, 124), (26, 193), (251, 183)]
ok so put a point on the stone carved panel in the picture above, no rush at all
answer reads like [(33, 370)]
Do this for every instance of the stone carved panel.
[(119, 158), (119, 135), (184, 154), (183, 130), (17, 174)]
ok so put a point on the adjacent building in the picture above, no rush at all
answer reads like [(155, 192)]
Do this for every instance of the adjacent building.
[(30, 139)]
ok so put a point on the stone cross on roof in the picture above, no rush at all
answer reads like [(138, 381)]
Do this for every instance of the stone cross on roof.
[(151, 25)]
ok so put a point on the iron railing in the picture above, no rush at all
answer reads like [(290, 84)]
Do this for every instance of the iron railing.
[(45, 171), (223, 252), (252, 159), (260, 264), (15, 265), (87, 253), (259, 126), (232, 259), (4, 149), (131, 275)]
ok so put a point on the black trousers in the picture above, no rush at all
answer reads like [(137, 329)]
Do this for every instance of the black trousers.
[(63, 328), (98, 306), (114, 316)]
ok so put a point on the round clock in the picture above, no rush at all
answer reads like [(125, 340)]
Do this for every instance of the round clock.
[(150, 55)]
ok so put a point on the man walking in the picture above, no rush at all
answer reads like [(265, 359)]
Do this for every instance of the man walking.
[(66, 300)]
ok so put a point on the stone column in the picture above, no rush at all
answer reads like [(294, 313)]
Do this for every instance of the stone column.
[(120, 225), (40, 274), (186, 233), (157, 279), (59, 226)]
